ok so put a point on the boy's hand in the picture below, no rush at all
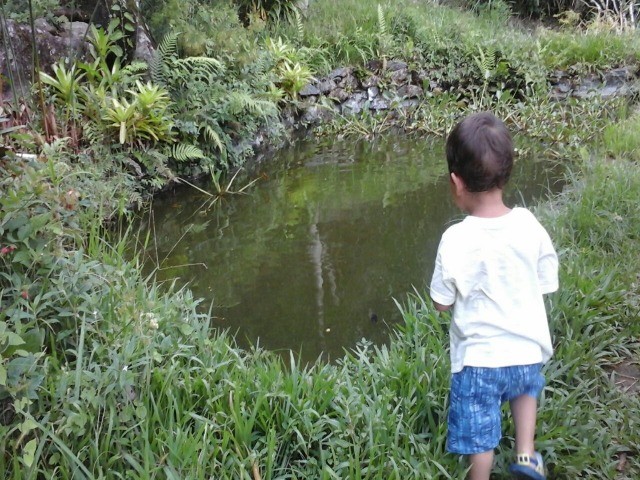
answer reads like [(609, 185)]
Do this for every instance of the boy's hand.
[(441, 308)]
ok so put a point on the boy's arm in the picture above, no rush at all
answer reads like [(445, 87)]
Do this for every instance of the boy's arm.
[(442, 288), (547, 265)]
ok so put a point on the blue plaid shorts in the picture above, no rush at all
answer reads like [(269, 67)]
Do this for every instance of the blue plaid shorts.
[(477, 394)]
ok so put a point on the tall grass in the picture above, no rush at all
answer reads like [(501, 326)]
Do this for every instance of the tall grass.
[(144, 389), (622, 140)]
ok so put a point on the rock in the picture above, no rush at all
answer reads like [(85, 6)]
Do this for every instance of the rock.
[(399, 77), (411, 103), (42, 25), (615, 90), (423, 77), (50, 45), (373, 92), (316, 114), (309, 90), (349, 83), (339, 94), (618, 76), (355, 103), (379, 104), (302, 6), (416, 78), (395, 65), (410, 91), (559, 75), (258, 140), (87, 11), (340, 73), (371, 81), (326, 85), (614, 83), (588, 87), (76, 30), (374, 65), (145, 50), (561, 91), (71, 14)]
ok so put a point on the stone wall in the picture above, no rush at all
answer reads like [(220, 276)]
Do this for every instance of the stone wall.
[(65, 41), (381, 86), (393, 85)]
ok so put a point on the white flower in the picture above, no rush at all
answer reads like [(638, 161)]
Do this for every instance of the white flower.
[(151, 319)]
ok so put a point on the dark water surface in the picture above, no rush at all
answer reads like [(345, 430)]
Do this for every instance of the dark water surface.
[(313, 257)]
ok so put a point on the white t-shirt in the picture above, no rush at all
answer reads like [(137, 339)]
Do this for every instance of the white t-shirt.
[(494, 272)]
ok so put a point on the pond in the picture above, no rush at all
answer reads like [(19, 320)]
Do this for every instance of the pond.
[(312, 258)]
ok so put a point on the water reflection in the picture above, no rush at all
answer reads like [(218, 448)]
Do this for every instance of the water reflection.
[(312, 259)]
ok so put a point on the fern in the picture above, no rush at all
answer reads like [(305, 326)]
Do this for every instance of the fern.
[(201, 65), (382, 23), (167, 49), (169, 45), (299, 25), (212, 136), (183, 152), (135, 67), (241, 102), (486, 61)]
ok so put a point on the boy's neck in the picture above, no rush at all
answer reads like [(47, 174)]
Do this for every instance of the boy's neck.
[(486, 204)]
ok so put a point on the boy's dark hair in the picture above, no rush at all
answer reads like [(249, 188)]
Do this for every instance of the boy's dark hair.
[(480, 152)]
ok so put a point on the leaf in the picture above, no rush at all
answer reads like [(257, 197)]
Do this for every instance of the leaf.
[(28, 425), (123, 132), (39, 221), (29, 452), (13, 338), (186, 329), (182, 152), (33, 340)]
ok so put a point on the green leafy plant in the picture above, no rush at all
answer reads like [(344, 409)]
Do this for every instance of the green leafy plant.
[(266, 9), (233, 108), (143, 118), (292, 78), (19, 9), (291, 74)]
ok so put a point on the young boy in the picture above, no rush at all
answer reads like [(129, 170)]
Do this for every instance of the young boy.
[(492, 269)]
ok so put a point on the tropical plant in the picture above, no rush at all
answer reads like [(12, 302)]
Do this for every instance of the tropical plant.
[(266, 9), (145, 117), (291, 74), (292, 78), (215, 111)]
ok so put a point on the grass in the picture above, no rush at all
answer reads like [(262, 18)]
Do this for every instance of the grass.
[(144, 389), (593, 51), (622, 140)]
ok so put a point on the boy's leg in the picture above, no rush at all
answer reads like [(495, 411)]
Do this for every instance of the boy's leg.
[(474, 420), (481, 464), (528, 383), (523, 411)]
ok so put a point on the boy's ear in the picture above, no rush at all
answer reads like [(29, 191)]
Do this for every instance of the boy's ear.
[(457, 183)]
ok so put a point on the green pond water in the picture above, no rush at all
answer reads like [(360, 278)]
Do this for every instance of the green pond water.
[(313, 257)]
